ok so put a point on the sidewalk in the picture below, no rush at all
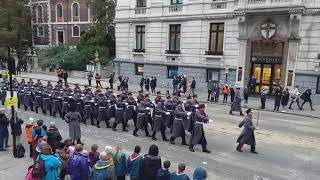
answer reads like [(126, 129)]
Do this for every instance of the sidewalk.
[(253, 102)]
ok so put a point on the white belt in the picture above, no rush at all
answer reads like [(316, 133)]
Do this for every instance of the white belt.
[(158, 115), (170, 110), (178, 119), (55, 100), (119, 108), (199, 122), (87, 105), (45, 98), (38, 96), (142, 113), (78, 103), (65, 102), (102, 107)]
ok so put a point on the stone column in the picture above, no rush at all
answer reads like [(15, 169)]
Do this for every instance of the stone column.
[(291, 62), (35, 62), (241, 17), (97, 63)]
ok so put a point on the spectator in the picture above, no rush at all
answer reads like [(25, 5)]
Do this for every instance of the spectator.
[(98, 80), (217, 92), (151, 163), (179, 174), (210, 88), (306, 97), (252, 85), (164, 173), (78, 165), (93, 155), (285, 99), (245, 95), (54, 137), (175, 83), (147, 84), (65, 77), (28, 129), (15, 123), (89, 77), (295, 94), (63, 154), (264, 94), (193, 86), (232, 94), (52, 163), (42, 127), (141, 83), (73, 118), (3, 128), (199, 174), (111, 78), (103, 169), (153, 85), (120, 164), (226, 91), (135, 161), (277, 98)]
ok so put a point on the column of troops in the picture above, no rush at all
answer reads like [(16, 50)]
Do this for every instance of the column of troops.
[(98, 107)]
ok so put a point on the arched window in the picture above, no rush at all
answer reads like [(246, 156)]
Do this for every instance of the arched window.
[(39, 14), (75, 9), (76, 31), (59, 10)]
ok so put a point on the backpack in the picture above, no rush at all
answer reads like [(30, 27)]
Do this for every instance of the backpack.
[(20, 151), (38, 169), (29, 176)]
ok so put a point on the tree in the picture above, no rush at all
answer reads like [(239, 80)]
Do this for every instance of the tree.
[(15, 26), (101, 35)]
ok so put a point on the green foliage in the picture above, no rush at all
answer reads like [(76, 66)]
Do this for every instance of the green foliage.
[(99, 38)]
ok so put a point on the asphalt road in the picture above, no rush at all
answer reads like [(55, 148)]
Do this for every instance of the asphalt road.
[(288, 147)]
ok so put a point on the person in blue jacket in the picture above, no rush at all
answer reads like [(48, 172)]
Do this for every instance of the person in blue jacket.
[(52, 163), (104, 168), (78, 165), (134, 163), (120, 163), (199, 174)]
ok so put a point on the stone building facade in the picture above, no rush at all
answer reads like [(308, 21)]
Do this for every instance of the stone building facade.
[(276, 41), (59, 22)]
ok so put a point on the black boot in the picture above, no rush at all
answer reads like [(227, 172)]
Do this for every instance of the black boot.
[(92, 122), (37, 110), (191, 148), (114, 127), (184, 141), (107, 124), (154, 136), (164, 138), (253, 149), (204, 149), (124, 127), (135, 132), (98, 122), (172, 139)]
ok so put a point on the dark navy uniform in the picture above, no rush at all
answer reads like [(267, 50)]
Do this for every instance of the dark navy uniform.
[(119, 115)]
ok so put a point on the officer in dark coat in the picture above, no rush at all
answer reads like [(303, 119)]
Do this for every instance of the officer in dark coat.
[(65, 103), (4, 89), (236, 104), (148, 103), (170, 108), (160, 114), (46, 101), (197, 136), (158, 98), (38, 84), (247, 135), (142, 111), (177, 126), (189, 107), (38, 98), (102, 105), (140, 96), (277, 98), (20, 95), (56, 102), (78, 97), (131, 109), (88, 107), (28, 98), (112, 105), (119, 116)]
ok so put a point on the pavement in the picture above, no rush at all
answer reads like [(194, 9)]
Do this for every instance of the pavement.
[(253, 102), (288, 147)]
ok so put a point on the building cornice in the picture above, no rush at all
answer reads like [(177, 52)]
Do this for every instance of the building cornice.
[(312, 12)]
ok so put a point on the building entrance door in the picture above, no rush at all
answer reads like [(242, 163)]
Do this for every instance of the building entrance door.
[(60, 38), (267, 76)]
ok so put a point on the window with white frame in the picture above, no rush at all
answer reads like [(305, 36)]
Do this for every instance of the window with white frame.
[(75, 9), (140, 37), (75, 31), (141, 3), (39, 14), (40, 31), (176, 2), (59, 11)]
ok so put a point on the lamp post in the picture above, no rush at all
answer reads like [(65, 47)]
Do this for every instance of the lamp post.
[(11, 70), (226, 71)]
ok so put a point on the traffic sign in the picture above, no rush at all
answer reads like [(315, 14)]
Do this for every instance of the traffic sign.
[(11, 101)]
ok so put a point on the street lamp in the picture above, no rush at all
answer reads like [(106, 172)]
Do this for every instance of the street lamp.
[(226, 71), (11, 69)]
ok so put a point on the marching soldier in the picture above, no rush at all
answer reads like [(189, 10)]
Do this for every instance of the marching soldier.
[(158, 98), (77, 88), (140, 96), (236, 105), (170, 108), (79, 103), (38, 83), (159, 121), (38, 98), (119, 116), (102, 109), (67, 96), (4, 89), (177, 126), (188, 106), (56, 102), (49, 85), (28, 98), (46, 101), (20, 95), (197, 136), (142, 111), (148, 103), (130, 110), (88, 107)]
